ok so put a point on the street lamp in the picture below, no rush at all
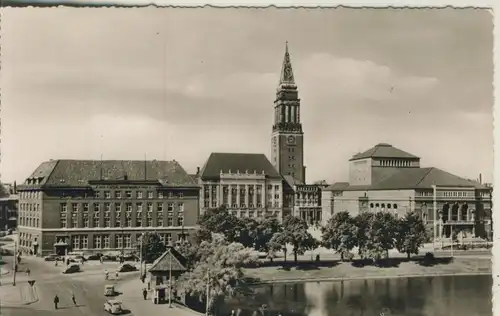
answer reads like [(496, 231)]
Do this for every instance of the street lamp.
[(140, 254), (434, 222)]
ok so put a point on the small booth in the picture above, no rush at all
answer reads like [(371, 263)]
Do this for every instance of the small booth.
[(61, 247), (170, 263)]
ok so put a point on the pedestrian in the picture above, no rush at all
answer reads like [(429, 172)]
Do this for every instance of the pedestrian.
[(116, 274), (56, 301), (232, 313), (73, 298), (28, 271), (145, 293), (106, 274)]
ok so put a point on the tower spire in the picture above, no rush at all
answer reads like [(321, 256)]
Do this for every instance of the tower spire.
[(286, 78)]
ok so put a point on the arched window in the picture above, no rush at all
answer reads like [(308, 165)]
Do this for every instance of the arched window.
[(383, 205), (395, 206), (464, 212), (388, 205), (446, 212), (377, 205), (371, 205)]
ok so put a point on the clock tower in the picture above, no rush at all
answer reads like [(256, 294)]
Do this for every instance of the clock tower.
[(287, 139)]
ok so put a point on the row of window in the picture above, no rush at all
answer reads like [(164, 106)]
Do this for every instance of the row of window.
[(118, 207), (455, 194), (395, 163), (109, 194), (383, 205), (29, 221), (128, 221), (80, 242), (252, 214), (215, 204)]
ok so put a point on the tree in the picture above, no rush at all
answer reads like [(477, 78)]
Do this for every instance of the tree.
[(381, 235), (340, 233), (152, 246), (295, 233), (190, 251), (220, 266), (363, 223), (220, 221), (410, 234)]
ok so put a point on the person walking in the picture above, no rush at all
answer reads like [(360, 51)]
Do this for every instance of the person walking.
[(106, 275), (116, 274), (73, 298), (28, 271), (145, 293), (56, 301)]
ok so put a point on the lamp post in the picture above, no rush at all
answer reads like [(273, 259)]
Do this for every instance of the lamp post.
[(434, 222), (140, 254), (208, 292), (170, 278), (15, 264)]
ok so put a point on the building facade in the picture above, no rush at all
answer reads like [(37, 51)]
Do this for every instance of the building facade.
[(9, 212), (246, 184), (387, 179), (287, 138), (97, 206)]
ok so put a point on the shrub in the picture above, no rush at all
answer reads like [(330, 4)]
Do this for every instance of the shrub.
[(429, 256)]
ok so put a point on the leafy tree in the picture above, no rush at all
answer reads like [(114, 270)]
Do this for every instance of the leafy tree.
[(220, 266), (220, 221), (410, 234), (276, 244), (152, 246), (340, 233), (190, 251), (381, 235), (363, 223), (295, 233)]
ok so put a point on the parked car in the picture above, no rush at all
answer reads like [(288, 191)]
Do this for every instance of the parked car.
[(109, 258), (113, 307), (53, 257), (109, 290), (95, 256), (130, 257), (72, 269), (127, 268)]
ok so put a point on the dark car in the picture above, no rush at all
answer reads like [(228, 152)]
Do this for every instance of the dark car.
[(95, 256), (53, 257), (127, 268)]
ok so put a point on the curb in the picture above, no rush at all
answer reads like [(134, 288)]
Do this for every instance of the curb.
[(326, 279)]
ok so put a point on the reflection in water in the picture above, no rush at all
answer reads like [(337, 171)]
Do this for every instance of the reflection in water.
[(433, 296)]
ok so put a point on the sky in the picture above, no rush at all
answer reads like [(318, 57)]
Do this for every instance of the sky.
[(182, 83)]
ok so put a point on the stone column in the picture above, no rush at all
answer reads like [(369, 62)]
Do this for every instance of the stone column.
[(247, 197), (229, 195), (254, 196), (459, 215), (210, 194), (238, 195)]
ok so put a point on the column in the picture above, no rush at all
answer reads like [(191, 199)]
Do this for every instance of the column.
[(254, 196), (229, 195), (247, 198), (238, 195), (210, 195), (459, 215), (450, 211)]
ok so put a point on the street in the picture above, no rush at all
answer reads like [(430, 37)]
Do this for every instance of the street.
[(87, 286)]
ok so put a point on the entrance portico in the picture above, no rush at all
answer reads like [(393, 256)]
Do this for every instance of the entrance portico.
[(456, 218)]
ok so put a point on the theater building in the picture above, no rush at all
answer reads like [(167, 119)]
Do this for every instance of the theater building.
[(97, 206), (387, 179), (246, 184)]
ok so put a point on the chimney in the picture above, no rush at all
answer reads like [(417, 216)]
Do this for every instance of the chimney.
[(480, 178), (197, 171), (15, 187)]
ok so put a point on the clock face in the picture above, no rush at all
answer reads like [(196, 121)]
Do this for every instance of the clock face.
[(290, 139)]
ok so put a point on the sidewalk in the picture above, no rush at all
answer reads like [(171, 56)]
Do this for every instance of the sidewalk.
[(132, 300), (19, 295)]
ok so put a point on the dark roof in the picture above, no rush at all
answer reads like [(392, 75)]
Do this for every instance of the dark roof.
[(162, 264), (383, 150), (235, 162), (419, 178), (80, 172), (292, 181), (337, 186)]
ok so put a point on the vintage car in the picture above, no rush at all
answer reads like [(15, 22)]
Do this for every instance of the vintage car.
[(113, 307)]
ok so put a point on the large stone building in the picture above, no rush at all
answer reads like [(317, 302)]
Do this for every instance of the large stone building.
[(246, 184), (103, 205), (8, 212), (385, 178), (252, 186)]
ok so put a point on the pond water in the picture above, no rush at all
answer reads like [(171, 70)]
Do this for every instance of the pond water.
[(432, 296)]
